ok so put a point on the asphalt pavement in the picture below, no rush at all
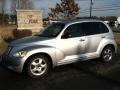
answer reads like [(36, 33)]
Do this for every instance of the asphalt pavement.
[(88, 75)]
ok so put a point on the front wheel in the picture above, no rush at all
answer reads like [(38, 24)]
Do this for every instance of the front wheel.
[(38, 66), (107, 54)]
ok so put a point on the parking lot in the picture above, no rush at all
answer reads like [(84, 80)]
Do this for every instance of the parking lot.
[(92, 75)]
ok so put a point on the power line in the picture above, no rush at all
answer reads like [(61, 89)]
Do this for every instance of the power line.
[(101, 9), (106, 9)]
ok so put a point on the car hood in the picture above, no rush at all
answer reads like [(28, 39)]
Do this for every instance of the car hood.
[(28, 41)]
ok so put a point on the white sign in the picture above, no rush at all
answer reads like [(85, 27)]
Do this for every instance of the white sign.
[(29, 19)]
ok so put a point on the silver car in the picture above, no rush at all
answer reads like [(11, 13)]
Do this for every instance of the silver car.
[(61, 43)]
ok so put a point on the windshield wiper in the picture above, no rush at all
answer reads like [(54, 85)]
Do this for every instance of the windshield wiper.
[(43, 35)]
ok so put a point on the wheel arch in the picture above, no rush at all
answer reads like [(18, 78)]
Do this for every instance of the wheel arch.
[(109, 57), (109, 45), (41, 53), (104, 43)]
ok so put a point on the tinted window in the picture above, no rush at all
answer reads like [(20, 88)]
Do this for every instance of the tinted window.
[(91, 28), (103, 28), (74, 30)]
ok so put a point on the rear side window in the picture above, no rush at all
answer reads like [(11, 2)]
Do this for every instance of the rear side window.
[(103, 28), (92, 28)]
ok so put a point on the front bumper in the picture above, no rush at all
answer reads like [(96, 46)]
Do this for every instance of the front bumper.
[(12, 63)]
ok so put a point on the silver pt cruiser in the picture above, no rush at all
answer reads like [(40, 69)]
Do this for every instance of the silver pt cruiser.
[(61, 43)]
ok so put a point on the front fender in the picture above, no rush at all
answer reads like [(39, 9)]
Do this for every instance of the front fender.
[(40, 49)]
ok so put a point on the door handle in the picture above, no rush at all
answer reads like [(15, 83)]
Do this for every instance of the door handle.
[(82, 40), (103, 37)]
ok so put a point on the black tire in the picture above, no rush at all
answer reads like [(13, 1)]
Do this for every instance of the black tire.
[(34, 68), (107, 54)]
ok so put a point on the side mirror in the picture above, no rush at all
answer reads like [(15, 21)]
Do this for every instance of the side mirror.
[(66, 35)]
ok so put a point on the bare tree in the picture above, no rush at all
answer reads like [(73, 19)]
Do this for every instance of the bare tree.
[(25, 4), (14, 6), (2, 10), (21, 4), (66, 9), (1, 6)]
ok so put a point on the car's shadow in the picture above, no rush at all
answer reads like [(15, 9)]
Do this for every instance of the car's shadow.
[(99, 70)]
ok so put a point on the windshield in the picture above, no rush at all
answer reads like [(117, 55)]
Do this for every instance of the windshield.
[(52, 30)]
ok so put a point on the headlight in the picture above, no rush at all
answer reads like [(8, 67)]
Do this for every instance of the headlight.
[(21, 54)]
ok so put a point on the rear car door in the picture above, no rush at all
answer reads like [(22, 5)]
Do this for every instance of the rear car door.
[(94, 32)]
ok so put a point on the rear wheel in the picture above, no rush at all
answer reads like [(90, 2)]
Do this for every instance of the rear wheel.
[(38, 66), (107, 54)]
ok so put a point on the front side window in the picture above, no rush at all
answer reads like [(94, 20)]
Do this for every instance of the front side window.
[(52, 31), (74, 30)]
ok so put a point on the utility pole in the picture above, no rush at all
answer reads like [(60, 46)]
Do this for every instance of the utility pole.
[(3, 16), (91, 3), (3, 12), (18, 7)]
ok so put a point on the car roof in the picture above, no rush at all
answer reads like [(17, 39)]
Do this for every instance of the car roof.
[(80, 20)]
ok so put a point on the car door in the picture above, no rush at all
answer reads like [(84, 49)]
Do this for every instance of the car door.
[(94, 35), (71, 44)]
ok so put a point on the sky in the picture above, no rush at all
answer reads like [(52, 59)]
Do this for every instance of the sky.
[(100, 7)]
